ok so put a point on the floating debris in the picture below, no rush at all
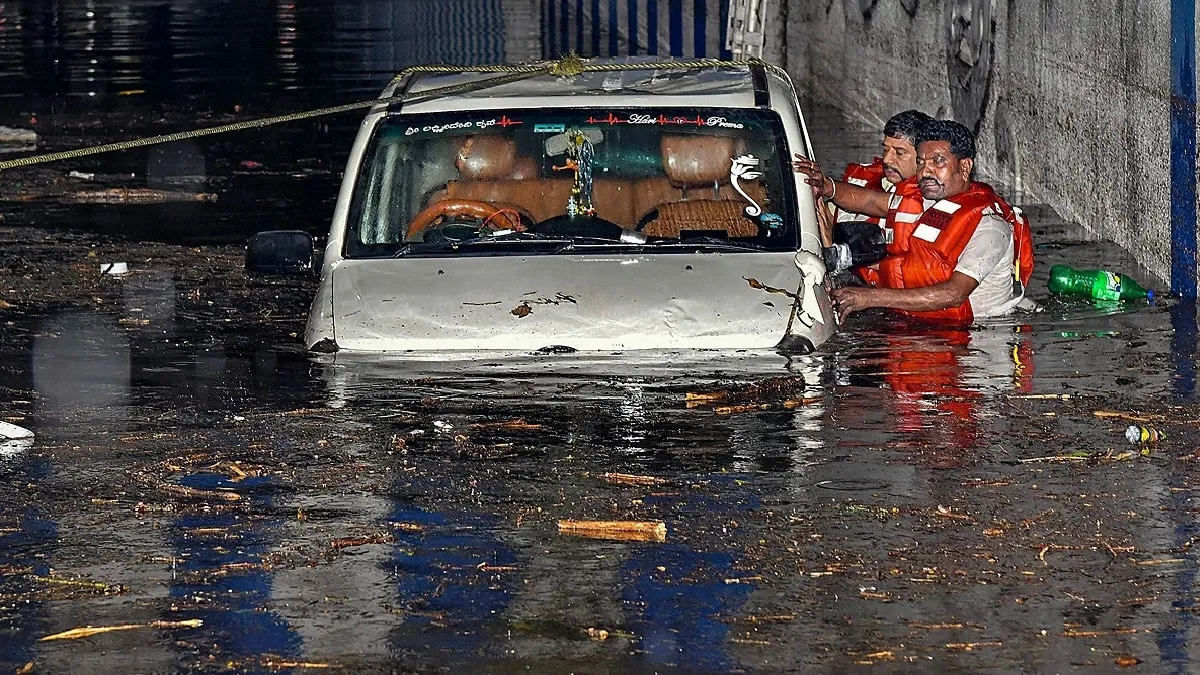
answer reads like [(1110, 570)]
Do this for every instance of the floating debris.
[(115, 196), (790, 404), (774, 388), (193, 493), (518, 424), (14, 440), (632, 479), (84, 584), (1116, 414), (348, 542), (12, 432), (629, 530), (17, 140), (89, 631), (1138, 434), (1051, 397)]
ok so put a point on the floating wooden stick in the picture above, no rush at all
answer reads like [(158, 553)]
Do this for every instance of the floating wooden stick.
[(348, 542), (789, 404), (773, 388), (628, 530), (1116, 414), (518, 424), (80, 583), (135, 196), (632, 479), (193, 493), (271, 663), (1054, 397), (88, 631)]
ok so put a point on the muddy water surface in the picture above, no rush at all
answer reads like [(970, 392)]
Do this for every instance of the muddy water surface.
[(919, 500)]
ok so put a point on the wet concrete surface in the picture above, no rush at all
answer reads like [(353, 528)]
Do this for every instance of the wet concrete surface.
[(930, 501)]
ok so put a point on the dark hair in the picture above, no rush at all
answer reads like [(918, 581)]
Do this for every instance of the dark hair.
[(960, 138), (907, 125)]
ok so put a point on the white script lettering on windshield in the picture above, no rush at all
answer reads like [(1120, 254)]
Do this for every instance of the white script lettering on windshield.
[(663, 120), (502, 121)]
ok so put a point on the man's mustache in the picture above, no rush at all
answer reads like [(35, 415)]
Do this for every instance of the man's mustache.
[(929, 181)]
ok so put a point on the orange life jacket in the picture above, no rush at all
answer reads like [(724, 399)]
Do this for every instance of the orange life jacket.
[(869, 176), (1022, 241), (926, 247), (899, 227), (903, 219)]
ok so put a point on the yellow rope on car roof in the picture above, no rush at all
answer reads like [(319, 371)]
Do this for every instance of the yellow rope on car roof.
[(568, 66)]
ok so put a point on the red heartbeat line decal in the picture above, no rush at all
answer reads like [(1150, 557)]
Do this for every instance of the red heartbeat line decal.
[(505, 122), (662, 120), (610, 120)]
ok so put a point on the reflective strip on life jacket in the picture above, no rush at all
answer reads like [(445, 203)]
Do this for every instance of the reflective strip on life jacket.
[(902, 219), (868, 176)]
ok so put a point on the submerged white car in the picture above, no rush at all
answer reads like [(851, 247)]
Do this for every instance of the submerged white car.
[(652, 206)]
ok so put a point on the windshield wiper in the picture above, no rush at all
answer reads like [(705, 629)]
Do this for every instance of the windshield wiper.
[(710, 244), (506, 240)]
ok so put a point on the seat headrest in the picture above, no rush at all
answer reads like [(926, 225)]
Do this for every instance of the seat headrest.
[(698, 161), (486, 157)]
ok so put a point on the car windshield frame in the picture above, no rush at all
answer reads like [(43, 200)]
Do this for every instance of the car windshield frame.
[(666, 178)]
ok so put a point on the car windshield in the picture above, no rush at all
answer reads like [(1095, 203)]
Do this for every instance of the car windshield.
[(496, 182)]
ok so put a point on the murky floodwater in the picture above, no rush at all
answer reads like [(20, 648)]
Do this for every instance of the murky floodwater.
[(928, 501)]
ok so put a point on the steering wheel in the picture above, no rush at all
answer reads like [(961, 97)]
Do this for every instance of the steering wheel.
[(495, 216)]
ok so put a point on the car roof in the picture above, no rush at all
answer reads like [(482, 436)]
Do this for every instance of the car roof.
[(628, 81)]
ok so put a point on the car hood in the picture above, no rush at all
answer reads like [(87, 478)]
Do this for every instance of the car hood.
[(583, 301)]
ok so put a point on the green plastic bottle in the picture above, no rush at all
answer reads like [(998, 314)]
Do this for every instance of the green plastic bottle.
[(1096, 284)]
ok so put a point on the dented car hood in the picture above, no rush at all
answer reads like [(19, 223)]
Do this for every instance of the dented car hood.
[(584, 301)]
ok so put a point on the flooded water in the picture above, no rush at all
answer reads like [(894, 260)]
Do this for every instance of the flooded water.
[(925, 500)]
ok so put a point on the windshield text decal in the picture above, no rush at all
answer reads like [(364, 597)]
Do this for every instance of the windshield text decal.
[(662, 120), (504, 122)]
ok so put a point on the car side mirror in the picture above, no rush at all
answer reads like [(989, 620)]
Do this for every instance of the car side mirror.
[(280, 252)]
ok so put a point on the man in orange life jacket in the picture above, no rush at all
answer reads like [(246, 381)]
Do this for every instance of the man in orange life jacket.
[(898, 163), (959, 252)]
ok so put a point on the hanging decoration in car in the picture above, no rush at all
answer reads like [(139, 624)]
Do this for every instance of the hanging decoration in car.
[(579, 155), (745, 167)]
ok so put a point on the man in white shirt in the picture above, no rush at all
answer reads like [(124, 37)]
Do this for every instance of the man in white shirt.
[(959, 252)]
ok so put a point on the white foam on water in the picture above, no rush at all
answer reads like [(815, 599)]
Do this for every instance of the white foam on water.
[(10, 432), (14, 440)]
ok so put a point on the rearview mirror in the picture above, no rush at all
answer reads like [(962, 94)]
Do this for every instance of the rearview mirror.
[(558, 143), (280, 252)]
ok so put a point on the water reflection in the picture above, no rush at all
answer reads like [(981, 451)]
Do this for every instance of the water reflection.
[(28, 538), (679, 601), (1183, 348), (221, 574), (113, 53), (453, 580), (680, 598)]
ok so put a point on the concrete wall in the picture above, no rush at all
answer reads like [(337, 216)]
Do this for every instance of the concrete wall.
[(522, 30), (1071, 101)]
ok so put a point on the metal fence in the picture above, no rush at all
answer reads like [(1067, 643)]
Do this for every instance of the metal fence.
[(681, 28)]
